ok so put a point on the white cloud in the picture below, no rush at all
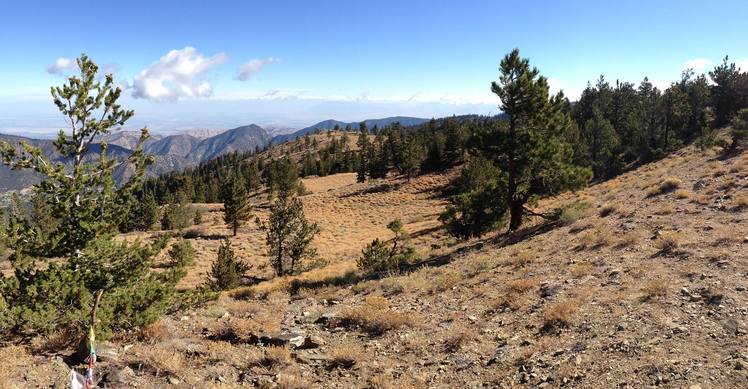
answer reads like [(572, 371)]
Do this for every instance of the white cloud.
[(697, 64), (572, 92), (742, 64), (178, 74), (249, 69), (61, 66)]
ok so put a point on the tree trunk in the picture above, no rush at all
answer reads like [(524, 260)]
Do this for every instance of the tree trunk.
[(516, 211)]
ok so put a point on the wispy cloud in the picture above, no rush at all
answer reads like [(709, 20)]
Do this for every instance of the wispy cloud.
[(178, 74), (461, 98), (697, 64), (61, 66), (249, 69)]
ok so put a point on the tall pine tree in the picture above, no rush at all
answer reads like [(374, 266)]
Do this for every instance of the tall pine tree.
[(236, 207)]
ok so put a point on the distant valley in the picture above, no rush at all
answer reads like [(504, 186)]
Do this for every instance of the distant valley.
[(186, 149)]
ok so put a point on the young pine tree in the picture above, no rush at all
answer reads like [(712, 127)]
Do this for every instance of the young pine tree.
[(384, 256), (146, 213), (289, 235), (227, 271), (44, 296), (236, 205)]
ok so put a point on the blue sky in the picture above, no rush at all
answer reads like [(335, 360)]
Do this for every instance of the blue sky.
[(305, 61)]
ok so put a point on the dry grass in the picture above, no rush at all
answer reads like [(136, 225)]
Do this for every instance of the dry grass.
[(629, 239), (457, 337), (56, 341), (669, 242), (346, 356), (740, 201), (444, 281), (277, 356), (654, 289), (164, 360), (375, 317), (575, 211), (596, 238), (514, 296), (520, 259), (560, 314), (607, 209), (581, 269), (402, 382), (683, 194), (667, 185), (665, 209), (154, 333), (12, 358)]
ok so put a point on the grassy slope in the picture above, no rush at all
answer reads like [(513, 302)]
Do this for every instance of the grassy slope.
[(597, 303)]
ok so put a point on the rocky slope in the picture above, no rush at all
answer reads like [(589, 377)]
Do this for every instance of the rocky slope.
[(643, 285)]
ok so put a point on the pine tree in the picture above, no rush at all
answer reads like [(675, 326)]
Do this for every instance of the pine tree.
[(146, 213), (602, 144), (283, 177), (227, 271), (378, 256), (739, 128), (725, 95), (289, 235), (88, 209), (236, 205), (453, 142), (364, 152), (411, 157), (529, 149)]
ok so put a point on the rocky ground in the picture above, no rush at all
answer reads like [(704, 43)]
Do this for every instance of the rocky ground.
[(642, 285)]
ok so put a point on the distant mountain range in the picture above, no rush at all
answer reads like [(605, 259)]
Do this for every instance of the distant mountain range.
[(179, 151), (331, 123)]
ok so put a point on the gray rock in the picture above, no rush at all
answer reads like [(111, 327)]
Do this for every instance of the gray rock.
[(282, 339)]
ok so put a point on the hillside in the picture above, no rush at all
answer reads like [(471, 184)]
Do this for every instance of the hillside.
[(331, 124), (645, 288)]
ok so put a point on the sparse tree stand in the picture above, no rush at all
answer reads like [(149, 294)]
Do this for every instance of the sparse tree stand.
[(289, 235), (236, 205)]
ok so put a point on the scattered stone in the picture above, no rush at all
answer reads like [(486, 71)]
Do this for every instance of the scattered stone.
[(283, 339), (122, 376), (312, 341), (549, 290), (325, 318), (173, 380), (107, 352), (614, 273)]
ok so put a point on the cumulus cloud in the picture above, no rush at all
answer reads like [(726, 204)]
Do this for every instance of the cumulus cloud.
[(697, 64), (249, 69), (61, 66), (178, 74)]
